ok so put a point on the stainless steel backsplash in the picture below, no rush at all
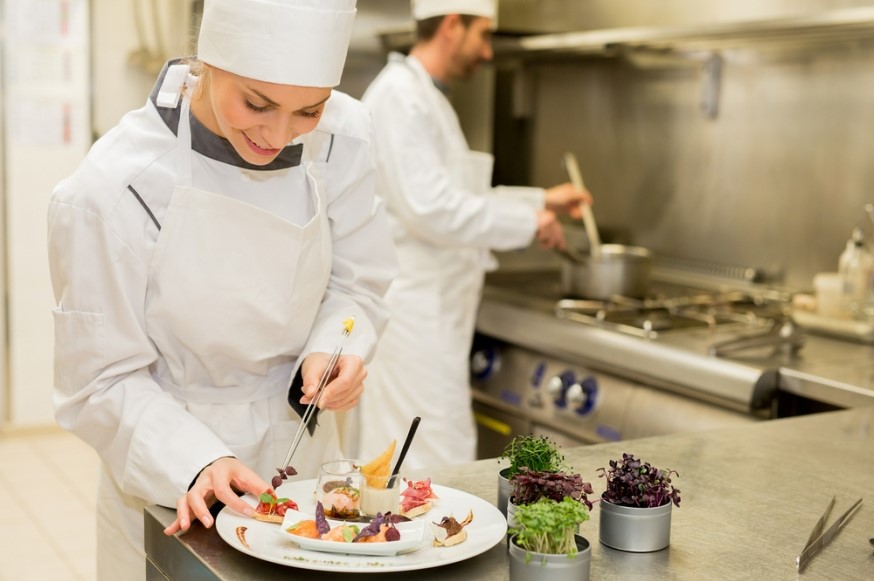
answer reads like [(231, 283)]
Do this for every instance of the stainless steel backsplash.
[(777, 180)]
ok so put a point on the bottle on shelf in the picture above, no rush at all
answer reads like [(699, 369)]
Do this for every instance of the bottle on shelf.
[(855, 270)]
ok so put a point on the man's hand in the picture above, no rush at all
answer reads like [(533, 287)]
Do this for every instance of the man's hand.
[(566, 199), (549, 231)]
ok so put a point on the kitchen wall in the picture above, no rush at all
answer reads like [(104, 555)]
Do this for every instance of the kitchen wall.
[(776, 180), (45, 134)]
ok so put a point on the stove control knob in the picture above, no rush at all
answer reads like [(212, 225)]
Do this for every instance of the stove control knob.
[(575, 396), (484, 363), (589, 399), (555, 386)]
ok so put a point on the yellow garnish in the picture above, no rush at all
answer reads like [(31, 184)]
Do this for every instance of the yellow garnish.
[(349, 324)]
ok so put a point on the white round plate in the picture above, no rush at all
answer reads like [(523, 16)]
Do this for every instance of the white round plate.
[(488, 528)]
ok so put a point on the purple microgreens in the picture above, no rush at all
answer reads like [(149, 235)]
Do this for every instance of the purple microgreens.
[(284, 473), (529, 487), (396, 518), (631, 482), (321, 522), (372, 529)]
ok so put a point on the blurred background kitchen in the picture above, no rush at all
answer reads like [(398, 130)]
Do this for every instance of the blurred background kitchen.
[(732, 138)]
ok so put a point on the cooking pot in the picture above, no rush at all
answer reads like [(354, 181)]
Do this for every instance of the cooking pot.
[(616, 270)]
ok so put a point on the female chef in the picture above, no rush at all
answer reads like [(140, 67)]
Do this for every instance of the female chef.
[(206, 252)]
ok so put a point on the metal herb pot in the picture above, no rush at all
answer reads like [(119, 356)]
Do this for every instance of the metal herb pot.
[(505, 489), (528, 566), (616, 270), (634, 529)]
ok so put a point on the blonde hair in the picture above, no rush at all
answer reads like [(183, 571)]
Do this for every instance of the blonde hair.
[(199, 69)]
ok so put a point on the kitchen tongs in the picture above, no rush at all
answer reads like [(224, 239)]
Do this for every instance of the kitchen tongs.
[(309, 412), (819, 538)]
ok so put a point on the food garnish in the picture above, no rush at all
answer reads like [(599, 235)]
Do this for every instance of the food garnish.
[(341, 499), (376, 472), (272, 509), (321, 522), (241, 536), (304, 528), (449, 532), (349, 324), (284, 473), (417, 498), (380, 529)]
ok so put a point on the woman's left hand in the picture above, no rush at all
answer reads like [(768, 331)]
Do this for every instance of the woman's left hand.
[(343, 389)]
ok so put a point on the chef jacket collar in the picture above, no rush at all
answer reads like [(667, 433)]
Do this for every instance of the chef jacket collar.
[(441, 86), (207, 143)]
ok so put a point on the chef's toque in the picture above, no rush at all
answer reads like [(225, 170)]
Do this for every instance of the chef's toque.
[(423, 9), (290, 42)]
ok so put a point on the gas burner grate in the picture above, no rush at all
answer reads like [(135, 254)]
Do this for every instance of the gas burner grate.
[(660, 313)]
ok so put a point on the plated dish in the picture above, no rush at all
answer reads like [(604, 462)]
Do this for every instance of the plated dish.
[(264, 541), (413, 536)]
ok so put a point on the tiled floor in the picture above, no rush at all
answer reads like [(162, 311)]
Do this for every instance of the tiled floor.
[(48, 487)]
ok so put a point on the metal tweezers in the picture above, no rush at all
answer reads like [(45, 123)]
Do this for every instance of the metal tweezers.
[(309, 412), (819, 538)]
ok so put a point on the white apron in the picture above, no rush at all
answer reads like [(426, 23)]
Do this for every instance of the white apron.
[(420, 367), (233, 292)]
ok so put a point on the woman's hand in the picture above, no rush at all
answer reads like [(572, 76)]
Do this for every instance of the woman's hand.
[(549, 231), (343, 389), (566, 199), (221, 480)]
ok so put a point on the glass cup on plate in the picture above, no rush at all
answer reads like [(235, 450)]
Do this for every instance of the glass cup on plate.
[(337, 488), (378, 497)]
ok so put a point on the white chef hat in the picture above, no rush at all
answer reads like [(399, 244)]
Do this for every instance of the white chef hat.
[(423, 9), (290, 42)]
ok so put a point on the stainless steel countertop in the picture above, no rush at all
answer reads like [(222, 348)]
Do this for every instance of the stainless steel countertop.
[(830, 370), (750, 497)]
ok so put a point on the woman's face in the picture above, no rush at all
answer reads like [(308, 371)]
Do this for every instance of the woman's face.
[(258, 118)]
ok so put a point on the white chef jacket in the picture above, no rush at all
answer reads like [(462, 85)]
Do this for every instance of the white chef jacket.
[(445, 218), (103, 229)]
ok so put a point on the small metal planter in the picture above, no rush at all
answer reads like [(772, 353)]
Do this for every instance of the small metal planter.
[(511, 515), (529, 566), (505, 489), (635, 529)]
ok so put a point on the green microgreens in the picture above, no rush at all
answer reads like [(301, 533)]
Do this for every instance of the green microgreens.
[(538, 454), (547, 526), (268, 498)]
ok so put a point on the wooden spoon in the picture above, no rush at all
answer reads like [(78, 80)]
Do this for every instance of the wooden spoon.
[(573, 170)]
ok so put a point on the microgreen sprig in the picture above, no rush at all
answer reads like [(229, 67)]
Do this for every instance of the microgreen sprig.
[(284, 473)]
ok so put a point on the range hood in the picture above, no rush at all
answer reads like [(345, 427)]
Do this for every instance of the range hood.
[(604, 27)]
